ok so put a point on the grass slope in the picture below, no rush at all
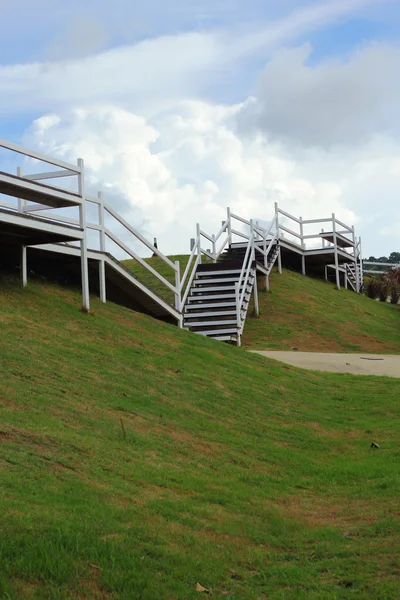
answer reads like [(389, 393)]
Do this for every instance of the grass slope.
[(313, 315), (137, 460), (163, 269), (305, 313)]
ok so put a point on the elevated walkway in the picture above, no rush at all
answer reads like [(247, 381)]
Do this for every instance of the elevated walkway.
[(57, 244), (218, 292), (211, 297)]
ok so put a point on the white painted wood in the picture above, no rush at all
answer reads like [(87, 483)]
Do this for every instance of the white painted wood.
[(139, 260), (335, 251), (84, 256), (42, 157), (50, 175), (202, 282), (202, 274), (24, 267), (139, 236), (190, 307), (38, 224), (52, 194)]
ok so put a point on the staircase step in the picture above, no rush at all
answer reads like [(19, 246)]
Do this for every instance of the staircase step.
[(207, 305), (213, 323), (220, 297), (217, 332), (201, 274), (218, 288), (208, 281), (218, 313)]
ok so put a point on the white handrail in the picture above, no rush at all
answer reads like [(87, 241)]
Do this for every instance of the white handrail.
[(140, 260), (38, 156), (149, 245)]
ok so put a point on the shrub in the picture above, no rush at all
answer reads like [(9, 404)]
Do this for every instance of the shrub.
[(373, 287), (394, 293), (383, 289)]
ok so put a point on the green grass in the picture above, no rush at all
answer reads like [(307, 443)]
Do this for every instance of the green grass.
[(137, 460), (310, 314), (163, 269), (305, 313)]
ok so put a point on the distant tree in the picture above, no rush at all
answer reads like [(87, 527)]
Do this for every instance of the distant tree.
[(394, 257)]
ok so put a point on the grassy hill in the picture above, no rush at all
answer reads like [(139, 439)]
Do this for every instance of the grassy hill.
[(308, 314), (137, 460)]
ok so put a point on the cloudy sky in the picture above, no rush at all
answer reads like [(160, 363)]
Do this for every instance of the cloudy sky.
[(183, 108)]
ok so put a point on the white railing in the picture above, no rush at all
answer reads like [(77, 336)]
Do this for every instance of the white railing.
[(242, 284), (302, 239), (367, 263), (33, 180), (105, 232)]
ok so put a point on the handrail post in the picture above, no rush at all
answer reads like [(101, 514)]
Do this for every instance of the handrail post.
[(355, 258), (335, 249), (253, 259), (82, 224), (214, 248), (303, 258), (198, 236), (178, 291), (278, 238), (238, 313), (229, 220), (24, 263), (102, 236)]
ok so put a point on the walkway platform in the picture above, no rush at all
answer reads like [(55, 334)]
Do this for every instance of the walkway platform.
[(26, 230)]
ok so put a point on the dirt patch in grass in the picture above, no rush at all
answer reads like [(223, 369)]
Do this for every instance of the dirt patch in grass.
[(316, 511), (335, 434), (90, 587)]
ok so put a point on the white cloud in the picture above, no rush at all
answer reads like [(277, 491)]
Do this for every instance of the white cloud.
[(189, 169), (154, 72), (334, 102)]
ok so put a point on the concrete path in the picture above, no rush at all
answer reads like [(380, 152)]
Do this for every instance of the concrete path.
[(358, 364)]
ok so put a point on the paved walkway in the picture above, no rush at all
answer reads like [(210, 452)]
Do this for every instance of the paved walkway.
[(358, 364)]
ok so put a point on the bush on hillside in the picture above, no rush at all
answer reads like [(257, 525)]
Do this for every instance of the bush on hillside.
[(394, 291), (372, 288), (383, 289)]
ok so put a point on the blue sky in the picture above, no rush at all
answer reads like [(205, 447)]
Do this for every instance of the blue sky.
[(302, 83)]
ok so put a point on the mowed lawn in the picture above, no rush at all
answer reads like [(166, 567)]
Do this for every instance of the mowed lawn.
[(304, 313), (137, 461), (312, 315)]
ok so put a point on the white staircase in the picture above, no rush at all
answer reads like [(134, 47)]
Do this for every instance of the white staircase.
[(354, 277), (211, 307)]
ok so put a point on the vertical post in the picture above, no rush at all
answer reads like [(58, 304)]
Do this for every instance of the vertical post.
[(345, 277), (361, 273), (265, 261), (355, 259), (228, 218), (24, 267), (238, 313), (253, 259), (335, 249), (323, 241), (278, 238), (178, 294), (102, 263), (24, 262), (326, 272), (303, 258), (198, 242), (82, 224), (214, 248)]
